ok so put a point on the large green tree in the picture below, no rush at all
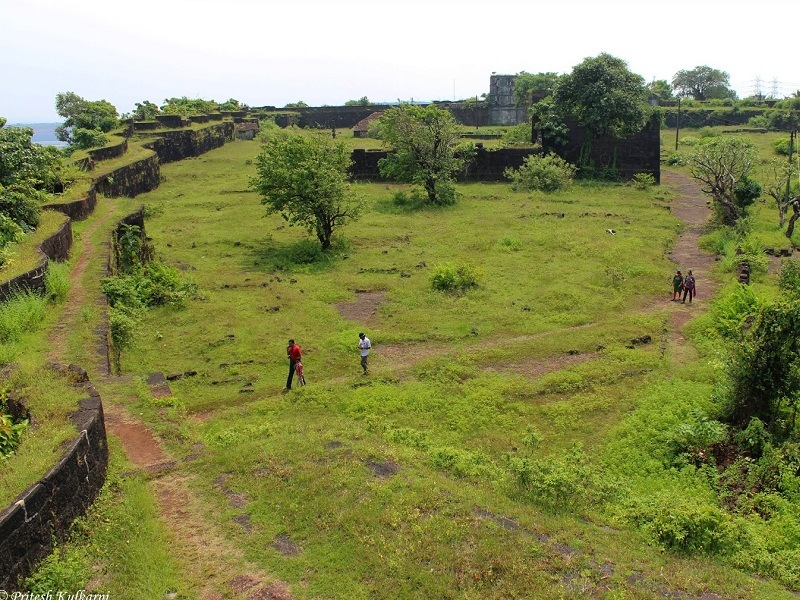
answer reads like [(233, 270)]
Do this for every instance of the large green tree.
[(87, 115), (423, 141), (723, 166), (28, 172), (604, 97), (304, 179), (703, 83)]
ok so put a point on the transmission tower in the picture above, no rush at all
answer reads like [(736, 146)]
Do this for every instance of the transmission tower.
[(757, 87), (774, 93)]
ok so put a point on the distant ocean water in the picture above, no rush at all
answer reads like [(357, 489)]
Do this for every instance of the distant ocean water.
[(44, 133)]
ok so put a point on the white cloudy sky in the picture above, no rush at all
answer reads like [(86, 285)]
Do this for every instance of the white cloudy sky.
[(269, 54)]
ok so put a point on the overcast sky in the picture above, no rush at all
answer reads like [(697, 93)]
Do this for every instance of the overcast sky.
[(271, 54)]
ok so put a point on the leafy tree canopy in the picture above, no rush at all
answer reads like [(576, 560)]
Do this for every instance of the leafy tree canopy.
[(661, 89), (298, 104), (363, 101), (529, 87), (703, 83), (304, 179), (423, 140), (604, 97), (145, 111), (188, 107), (28, 172), (80, 113)]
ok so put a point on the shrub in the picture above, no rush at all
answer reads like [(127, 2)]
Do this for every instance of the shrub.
[(754, 438), (781, 146), (546, 173), (643, 181), (22, 313), (10, 434), (707, 132), (789, 280), (761, 121), (685, 525), (10, 231), (517, 135), (696, 436), (510, 244), (56, 283), (83, 139), (569, 480), (678, 159), (451, 278), (732, 311)]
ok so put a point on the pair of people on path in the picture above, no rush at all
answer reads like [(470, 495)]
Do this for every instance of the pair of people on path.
[(685, 285), (294, 353)]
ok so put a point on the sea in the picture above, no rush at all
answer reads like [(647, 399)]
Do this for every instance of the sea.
[(44, 133)]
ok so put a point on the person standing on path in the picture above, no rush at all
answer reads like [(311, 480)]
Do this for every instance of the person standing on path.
[(689, 288), (677, 285), (364, 345), (294, 353)]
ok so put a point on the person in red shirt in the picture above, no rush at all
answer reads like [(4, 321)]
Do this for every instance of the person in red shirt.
[(294, 353)]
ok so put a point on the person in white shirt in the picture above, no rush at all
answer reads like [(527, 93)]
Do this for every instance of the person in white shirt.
[(364, 345)]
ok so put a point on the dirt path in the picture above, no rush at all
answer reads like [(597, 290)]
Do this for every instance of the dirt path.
[(76, 297)]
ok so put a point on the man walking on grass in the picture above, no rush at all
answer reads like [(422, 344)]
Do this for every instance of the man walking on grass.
[(364, 345)]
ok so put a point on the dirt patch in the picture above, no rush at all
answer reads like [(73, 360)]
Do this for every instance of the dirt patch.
[(382, 469), (538, 366), (284, 544), (363, 309), (141, 447)]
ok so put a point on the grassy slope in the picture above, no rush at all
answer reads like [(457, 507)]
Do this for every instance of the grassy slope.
[(303, 460)]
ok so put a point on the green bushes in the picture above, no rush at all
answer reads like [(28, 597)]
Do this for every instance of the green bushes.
[(10, 433), (685, 525), (781, 146), (643, 181), (23, 313), (546, 173), (450, 278), (565, 481)]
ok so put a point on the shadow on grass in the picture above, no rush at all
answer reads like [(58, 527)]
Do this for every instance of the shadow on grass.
[(305, 255)]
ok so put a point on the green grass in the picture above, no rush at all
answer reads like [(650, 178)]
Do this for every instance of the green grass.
[(26, 255), (51, 399), (407, 482)]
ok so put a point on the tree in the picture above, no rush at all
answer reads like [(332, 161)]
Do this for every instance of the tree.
[(188, 107), (703, 83), (28, 172), (363, 101), (145, 111), (79, 113), (530, 88), (722, 164), (298, 104), (661, 89), (604, 97), (765, 368), (782, 186), (304, 179), (423, 142)]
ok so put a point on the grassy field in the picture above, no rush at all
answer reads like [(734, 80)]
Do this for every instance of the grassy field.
[(506, 443)]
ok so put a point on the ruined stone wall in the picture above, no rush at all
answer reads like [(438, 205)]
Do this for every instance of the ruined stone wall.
[(49, 506), (132, 179), (108, 152), (171, 146), (79, 209), (641, 153), (54, 247)]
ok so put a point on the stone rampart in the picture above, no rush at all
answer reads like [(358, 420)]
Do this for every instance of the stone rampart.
[(47, 508), (132, 179), (77, 210), (108, 152), (176, 145), (55, 247)]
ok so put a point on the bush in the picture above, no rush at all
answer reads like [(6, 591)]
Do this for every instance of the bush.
[(566, 481), (517, 135), (451, 278), (733, 310), (10, 231), (685, 525), (643, 181), (781, 146), (83, 139), (678, 159), (56, 283), (789, 279), (546, 173), (697, 435), (10, 434), (754, 438)]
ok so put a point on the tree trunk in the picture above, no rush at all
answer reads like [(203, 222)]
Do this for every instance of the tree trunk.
[(795, 216)]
